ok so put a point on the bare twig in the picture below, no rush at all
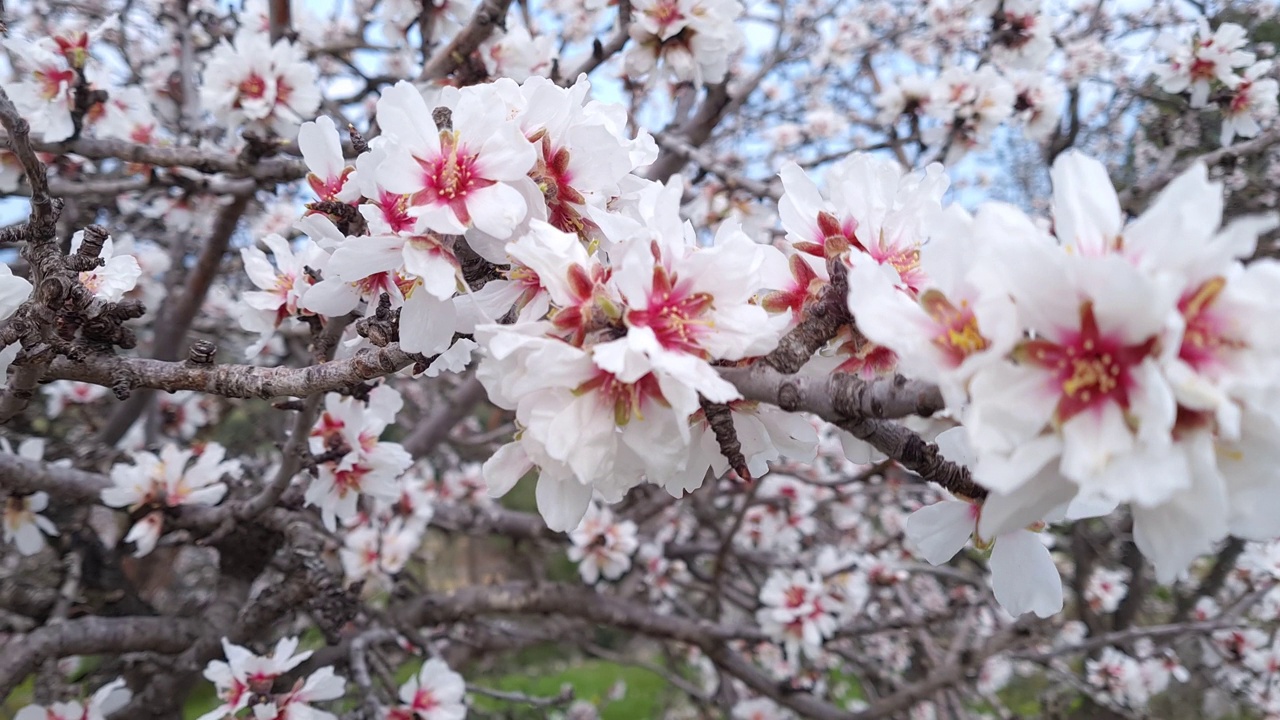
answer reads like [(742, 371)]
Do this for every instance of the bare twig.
[(490, 14)]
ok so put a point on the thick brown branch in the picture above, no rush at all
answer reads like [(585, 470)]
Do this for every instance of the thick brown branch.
[(41, 251), (853, 405), (91, 636), (237, 381), (695, 132), (839, 394), (20, 475), (275, 169), (720, 418), (1134, 197)]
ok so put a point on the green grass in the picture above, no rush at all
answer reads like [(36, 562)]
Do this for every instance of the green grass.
[(645, 698)]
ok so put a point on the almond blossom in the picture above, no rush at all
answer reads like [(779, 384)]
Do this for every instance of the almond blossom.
[(377, 550), (1024, 577), (793, 610), (1106, 588), (118, 275), (1252, 104), (760, 709), (692, 38), (517, 54), (598, 418), (249, 80), (154, 482), (105, 700), (874, 208), (969, 106), (602, 546), (62, 393), (354, 461), (1210, 56), (1021, 32), (282, 285), (1119, 677), (955, 320), (244, 681), (46, 98), (454, 178), (435, 693), (24, 526), (1088, 385), (14, 291), (329, 172)]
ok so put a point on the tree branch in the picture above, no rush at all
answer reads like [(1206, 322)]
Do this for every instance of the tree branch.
[(838, 394), (489, 15), (601, 52), (234, 381), (172, 326), (92, 636), (430, 432)]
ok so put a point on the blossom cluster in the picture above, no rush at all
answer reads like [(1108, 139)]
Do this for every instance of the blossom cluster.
[(1214, 67), (153, 483), (605, 281), (1106, 362), (1088, 361), (244, 682), (963, 106), (802, 608), (693, 39)]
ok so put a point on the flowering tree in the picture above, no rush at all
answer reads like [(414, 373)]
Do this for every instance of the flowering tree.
[(354, 352)]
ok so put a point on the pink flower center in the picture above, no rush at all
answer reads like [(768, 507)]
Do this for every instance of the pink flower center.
[(1241, 101), (348, 481), (957, 334), (253, 87), (675, 313), (1202, 69), (1205, 342), (91, 280), (628, 400), (450, 176), (1090, 371), (328, 188), (395, 211), (425, 700), (54, 82), (553, 177), (665, 13)]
